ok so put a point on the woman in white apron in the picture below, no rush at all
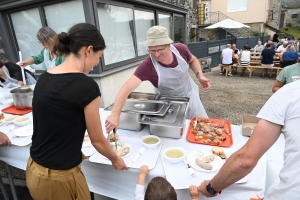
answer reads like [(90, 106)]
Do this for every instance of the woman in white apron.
[(47, 38), (171, 80), (177, 82)]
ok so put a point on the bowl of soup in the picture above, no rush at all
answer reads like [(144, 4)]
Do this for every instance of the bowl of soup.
[(174, 154), (9, 119), (150, 141), (21, 121)]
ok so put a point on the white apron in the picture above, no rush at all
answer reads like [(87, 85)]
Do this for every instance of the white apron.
[(177, 82), (47, 60)]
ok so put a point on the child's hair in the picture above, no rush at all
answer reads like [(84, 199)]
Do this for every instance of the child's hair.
[(160, 189)]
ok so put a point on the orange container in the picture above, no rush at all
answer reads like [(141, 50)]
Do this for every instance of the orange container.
[(190, 136), (13, 110)]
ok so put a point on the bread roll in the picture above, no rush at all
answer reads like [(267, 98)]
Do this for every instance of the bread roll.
[(217, 151), (203, 164)]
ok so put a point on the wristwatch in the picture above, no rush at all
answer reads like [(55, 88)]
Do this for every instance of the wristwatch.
[(211, 190)]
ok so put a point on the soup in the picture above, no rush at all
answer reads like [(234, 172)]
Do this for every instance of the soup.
[(21, 120), (150, 140), (174, 153)]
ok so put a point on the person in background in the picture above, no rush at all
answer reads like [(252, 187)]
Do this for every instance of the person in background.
[(4, 140), (166, 68), (65, 105), (279, 44), (226, 56), (11, 75), (258, 48), (287, 75), (279, 115), (289, 57), (275, 39), (47, 38), (236, 58), (298, 45), (245, 57), (267, 59), (158, 188), (268, 42), (282, 47)]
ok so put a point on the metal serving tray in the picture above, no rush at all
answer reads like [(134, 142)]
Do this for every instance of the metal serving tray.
[(171, 98), (141, 96), (170, 125)]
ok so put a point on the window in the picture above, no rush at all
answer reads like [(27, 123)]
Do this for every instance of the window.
[(179, 28), (26, 24), (237, 5), (62, 16), (294, 16), (165, 21), (116, 26), (143, 21)]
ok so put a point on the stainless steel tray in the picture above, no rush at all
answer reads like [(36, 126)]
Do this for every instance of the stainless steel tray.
[(171, 98), (141, 96), (148, 107)]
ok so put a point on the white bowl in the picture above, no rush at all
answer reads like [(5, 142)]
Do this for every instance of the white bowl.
[(8, 102), (21, 121), (174, 160), (150, 146), (8, 120)]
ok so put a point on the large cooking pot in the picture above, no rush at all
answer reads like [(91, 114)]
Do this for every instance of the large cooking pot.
[(22, 97)]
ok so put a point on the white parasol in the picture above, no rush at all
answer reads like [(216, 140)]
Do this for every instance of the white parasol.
[(227, 23)]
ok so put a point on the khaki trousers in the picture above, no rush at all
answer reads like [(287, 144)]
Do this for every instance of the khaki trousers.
[(48, 184)]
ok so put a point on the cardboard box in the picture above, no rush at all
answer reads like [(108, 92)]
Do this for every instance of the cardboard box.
[(249, 123)]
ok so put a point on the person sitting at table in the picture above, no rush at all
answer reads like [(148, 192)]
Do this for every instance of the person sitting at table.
[(280, 114), (158, 188), (258, 48), (289, 57), (287, 75), (4, 140), (226, 56), (282, 47), (66, 104), (47, 38), (267, 42), (245, 57), (236, 57), (11, 75), (267, 58)]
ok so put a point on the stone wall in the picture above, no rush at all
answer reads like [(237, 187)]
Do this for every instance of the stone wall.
[(275, 6), (2, 53), (255, 26), (288, 17), (209, 34)]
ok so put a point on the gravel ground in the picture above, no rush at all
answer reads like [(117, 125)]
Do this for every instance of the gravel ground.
[(229, 98)]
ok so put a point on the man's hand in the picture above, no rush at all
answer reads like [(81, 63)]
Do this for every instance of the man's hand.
[(202, 189), (111, 122), (204, 82), (4, 140)]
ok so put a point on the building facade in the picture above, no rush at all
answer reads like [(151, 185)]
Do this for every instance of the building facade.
[(123, 24)]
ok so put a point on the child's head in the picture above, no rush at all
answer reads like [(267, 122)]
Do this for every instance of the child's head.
[(160, 189)]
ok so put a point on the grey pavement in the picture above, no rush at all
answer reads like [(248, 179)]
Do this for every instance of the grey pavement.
[(229, 98)]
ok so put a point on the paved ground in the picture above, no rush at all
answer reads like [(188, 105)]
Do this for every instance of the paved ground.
[(229, 98)]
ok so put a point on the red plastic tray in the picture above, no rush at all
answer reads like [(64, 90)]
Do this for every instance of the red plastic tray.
[(13, 110), (190, 136)]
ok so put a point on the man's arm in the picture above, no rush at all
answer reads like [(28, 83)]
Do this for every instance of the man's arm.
[(112, 120), (244, 160), (196, 67), (221, 56), (277, 85)]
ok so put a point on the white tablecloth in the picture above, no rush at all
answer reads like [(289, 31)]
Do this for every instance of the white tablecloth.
[(104, 180)]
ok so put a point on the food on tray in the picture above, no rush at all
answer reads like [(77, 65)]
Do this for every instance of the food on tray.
[(174, 153), (1, 115), (112, 137), (207, 131), (202, 164), (219, 152), (200, 154), (123, 151), (208, 159), (150, 140)]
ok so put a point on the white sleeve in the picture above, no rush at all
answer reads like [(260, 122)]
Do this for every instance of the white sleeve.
[(276, 107), (139, 192)]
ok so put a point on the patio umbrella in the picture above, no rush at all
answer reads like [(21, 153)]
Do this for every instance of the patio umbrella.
[(227, 23)]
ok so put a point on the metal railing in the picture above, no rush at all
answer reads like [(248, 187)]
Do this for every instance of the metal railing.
[(214, 17)]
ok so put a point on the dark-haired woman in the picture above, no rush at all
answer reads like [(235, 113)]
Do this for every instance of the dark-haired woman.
[(11, 75), (47, 38), (65, 103)]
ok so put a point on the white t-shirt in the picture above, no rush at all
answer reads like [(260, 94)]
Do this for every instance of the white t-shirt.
[(284, 108), (280, 48), (227, 56), (245, 56), (139, 192)]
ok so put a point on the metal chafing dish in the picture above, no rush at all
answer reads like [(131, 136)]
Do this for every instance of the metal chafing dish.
[(173, 123), (129, 119)]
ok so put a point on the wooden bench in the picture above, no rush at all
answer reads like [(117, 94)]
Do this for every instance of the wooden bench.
[(252, 68), (226, 67)]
